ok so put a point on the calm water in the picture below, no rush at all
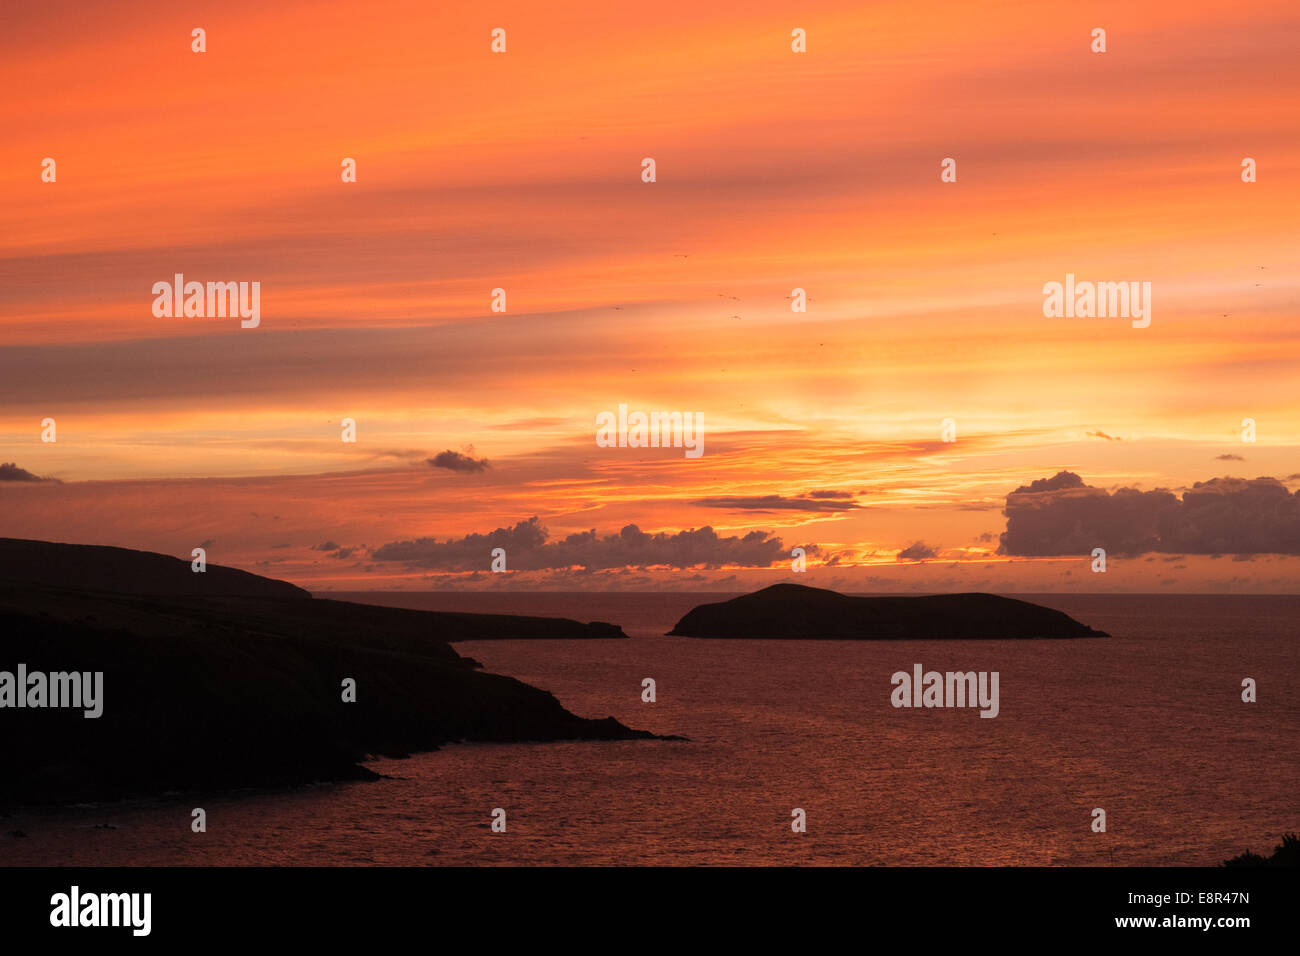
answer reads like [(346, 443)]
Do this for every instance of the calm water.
[(1148, 725)]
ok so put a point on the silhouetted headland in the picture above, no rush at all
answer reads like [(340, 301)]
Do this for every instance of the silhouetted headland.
[(91, 567), (88, 567), (796, 612), (242, 685)]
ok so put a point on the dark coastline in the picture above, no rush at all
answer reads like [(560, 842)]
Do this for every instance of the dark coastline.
[(222, 691)]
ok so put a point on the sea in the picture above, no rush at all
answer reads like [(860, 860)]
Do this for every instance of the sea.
[(1148, 725)]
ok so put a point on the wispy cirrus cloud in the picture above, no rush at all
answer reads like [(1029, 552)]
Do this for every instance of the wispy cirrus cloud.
[(828, 501)]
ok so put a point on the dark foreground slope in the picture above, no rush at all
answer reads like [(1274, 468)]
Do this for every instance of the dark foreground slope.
[(121, 570), (228, 691), (795, 612)]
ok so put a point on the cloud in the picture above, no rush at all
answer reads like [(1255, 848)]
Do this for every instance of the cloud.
[(917, 551), (327, 546), (455, 461), (1228, 458), (1101, 434), (11, 472), (1063, 515), (528, 548), (401, 454), (1062, 479), (813, 501)]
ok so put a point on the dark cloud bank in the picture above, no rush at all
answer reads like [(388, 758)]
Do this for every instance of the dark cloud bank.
[(1053, 516), (528, 548), (1062, 515)]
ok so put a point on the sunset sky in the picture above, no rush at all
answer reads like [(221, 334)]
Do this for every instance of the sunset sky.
[(775, 170)]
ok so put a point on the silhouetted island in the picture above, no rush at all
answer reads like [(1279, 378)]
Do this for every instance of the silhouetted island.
[(797, 612), (241, 686)]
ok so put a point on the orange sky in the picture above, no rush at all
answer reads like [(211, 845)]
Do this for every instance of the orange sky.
[(521, 170)]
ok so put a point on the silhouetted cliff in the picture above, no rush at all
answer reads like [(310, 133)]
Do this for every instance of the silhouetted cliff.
[(796, 612), (217, 692)]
